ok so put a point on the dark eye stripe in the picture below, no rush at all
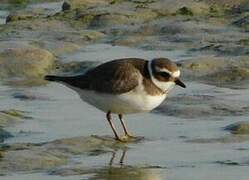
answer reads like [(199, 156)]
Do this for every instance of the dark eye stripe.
[(165, 74)]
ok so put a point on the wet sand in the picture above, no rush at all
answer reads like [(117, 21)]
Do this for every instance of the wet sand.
[(55, 135)]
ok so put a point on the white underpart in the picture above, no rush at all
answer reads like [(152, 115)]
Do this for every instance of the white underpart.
[(164, 86), (134, 101)]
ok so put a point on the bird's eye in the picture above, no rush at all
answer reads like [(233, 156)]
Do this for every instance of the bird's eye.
[(165, 74)]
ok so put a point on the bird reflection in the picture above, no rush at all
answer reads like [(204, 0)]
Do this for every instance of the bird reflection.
[(117, 170), (121, 160), (116, 167)]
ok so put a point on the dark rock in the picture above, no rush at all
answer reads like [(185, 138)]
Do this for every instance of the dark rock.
[(4, 135), (185, 11), (75, 4), (228, 162), (66, 6), (224, 139), (238, 128), (16, 16), (242, 22)]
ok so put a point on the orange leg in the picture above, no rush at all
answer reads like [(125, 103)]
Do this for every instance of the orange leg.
[(124, 126), (109, 118)]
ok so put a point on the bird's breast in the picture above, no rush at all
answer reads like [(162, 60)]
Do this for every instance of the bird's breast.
[(134, 101)]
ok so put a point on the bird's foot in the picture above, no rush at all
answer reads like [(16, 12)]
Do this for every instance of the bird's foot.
[(130, 136), (123, 140), (127, 138)]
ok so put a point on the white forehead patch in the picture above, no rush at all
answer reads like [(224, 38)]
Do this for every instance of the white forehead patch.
[(176, 73)]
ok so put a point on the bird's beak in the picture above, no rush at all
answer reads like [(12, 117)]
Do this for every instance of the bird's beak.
[(180, 83)]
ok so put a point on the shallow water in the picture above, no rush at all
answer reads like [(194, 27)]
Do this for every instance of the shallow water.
[(173, 147), (168, 150), (50, 7), (107, 52), (3, 15)]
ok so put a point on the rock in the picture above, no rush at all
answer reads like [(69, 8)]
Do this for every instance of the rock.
[(26, 14), (39, 29), (201, 106), (4, 135), (74, 67), (217, 71), (79, 145), (232, 74), (16, 2), (227, 7), (108, 18), (1, 154), (115, 15), (245, 42), (16, 16), (30, 160), (34, 10), (233, 163), (182, 7), (20, 60), (206, 65), (185, 11), (224, 139), (242, 22), (66, 6), (224, 49), (57, 48), (228, 163), (73, 4), (14, 113), (45, 156), (111, 172), (8, 117), (227, 3), (28, 96), (104, 20), (91, 35), (130, 41), (238, 128)]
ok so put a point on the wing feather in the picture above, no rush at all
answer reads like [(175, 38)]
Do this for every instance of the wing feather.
[(114, 78)]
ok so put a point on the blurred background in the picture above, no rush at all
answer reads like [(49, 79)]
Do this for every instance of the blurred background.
[(201, 132)]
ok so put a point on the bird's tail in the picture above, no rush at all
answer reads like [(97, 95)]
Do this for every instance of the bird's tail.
[(67, 80), (54, 78)]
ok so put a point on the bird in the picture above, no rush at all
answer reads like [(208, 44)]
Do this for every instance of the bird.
[(124, 86)]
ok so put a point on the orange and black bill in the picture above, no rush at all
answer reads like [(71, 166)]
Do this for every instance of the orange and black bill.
[(180, 83)]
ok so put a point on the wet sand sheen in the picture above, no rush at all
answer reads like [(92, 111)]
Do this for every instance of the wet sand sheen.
[(168, 134), (169, 149), (57, 136)]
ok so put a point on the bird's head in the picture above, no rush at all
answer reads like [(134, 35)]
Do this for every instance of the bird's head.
[(164, 74)]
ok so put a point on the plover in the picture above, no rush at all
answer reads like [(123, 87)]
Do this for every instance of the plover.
[(123, 86)]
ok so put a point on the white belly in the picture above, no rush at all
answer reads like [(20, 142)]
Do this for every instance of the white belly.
[(130, 102)]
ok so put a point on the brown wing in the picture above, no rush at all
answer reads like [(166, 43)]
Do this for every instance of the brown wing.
[(116, 77)]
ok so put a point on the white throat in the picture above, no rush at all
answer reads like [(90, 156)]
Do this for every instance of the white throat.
[(164, 86)]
